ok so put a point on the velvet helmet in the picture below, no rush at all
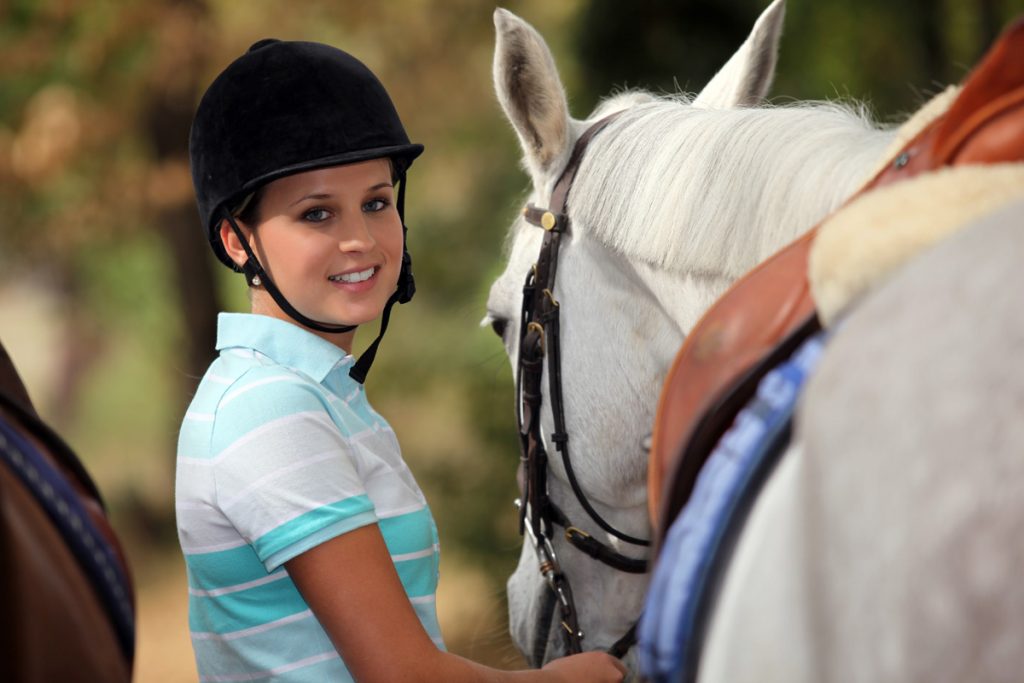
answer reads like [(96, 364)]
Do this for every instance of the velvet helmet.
[(286, 107)]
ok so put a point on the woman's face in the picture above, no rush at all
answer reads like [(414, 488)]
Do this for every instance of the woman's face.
[(331, 239)]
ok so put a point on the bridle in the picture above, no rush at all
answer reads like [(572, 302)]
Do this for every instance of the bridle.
[(539, 339)]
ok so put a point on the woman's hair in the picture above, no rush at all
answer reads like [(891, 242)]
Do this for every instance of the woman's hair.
[(249, 211)]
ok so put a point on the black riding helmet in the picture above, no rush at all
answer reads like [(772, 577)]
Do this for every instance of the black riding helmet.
[(283, 108)]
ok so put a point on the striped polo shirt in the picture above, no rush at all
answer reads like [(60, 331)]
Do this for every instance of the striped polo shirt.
[(280, 451)]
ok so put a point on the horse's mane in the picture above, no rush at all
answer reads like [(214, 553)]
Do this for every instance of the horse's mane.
[(718, 191)]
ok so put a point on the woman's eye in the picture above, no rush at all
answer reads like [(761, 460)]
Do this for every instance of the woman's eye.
[(375, 205), (317, 215)]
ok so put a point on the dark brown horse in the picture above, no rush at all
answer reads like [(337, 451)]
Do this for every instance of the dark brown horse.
[(64, 582)]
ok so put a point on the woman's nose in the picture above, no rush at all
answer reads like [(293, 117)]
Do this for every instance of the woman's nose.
[(355, 235)]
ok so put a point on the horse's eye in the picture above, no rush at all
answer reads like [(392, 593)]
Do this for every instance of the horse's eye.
[(499, 325)]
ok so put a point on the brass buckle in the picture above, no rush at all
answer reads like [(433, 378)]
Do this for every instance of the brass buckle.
[(551, 297), (536, 326)]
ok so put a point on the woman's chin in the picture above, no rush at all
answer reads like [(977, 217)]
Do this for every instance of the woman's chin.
[(351, 317)]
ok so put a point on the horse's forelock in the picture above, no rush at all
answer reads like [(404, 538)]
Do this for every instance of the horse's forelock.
[(627, 99)]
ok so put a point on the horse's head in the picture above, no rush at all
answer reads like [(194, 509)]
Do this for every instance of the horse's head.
[(622, 320)]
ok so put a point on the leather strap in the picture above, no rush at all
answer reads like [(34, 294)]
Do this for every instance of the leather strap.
[(543, 311), (539, 340)]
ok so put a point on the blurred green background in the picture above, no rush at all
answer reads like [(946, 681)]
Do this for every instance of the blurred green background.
[(106, 284)]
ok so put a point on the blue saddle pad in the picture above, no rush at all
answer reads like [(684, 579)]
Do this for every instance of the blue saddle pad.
[(699, 541)]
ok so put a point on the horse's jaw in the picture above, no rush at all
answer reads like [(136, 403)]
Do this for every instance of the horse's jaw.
[(608, 602)]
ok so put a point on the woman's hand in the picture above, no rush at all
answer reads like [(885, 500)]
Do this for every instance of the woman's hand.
[(595, 667)]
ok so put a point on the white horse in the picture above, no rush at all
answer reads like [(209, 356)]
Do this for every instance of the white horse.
[(674, 200)]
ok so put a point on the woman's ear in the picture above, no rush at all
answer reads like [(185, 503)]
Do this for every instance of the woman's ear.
[(232, 244)]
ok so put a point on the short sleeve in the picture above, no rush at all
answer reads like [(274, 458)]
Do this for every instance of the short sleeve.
[(284, 472)]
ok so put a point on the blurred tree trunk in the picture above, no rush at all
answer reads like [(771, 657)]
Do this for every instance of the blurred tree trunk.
[(197, 291), (929, 16), (170, 102), (990, 25), (83, 347)]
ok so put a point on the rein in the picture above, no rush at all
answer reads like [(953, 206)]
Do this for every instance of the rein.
[(540, 340)]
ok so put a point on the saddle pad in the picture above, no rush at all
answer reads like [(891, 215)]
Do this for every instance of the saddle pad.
[(699, 542)]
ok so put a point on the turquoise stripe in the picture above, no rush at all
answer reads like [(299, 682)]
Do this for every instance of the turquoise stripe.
[(361, 408), (349, 423), (208, 571), (245, 609), (408, 533), (209, 392), (428, 617), (419, 577), (263, 404), (312, 528), (272, 649), (327, 533)]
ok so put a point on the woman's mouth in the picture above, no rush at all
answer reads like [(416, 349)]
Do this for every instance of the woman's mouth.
[(360, 276), (355, 282)]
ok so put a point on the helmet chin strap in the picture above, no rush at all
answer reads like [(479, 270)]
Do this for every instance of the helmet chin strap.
[(404, 292), (253, 269)]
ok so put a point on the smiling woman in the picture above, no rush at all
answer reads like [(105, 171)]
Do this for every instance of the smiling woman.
[(311, 551)]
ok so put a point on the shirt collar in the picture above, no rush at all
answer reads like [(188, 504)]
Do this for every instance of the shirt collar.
[(282, 342)]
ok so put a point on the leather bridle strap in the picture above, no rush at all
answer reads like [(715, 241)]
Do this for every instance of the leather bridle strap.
[(540, 340), (540, 310)]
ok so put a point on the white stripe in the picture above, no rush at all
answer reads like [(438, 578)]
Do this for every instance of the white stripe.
[(199, 417), (255, 434), (200, 593), (390, 471), (216, 547), (429, 552), (232, 395), (359, 436), (256, 675), (400, 511), (352, 395), (218, 379), (195, 462), (192, 505), (281, 471), (252, 630), (423, 600)]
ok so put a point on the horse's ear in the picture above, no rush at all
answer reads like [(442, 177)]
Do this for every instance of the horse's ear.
[(746, 77), (530, 92)]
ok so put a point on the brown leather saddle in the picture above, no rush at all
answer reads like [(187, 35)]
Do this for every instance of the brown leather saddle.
[(766, 314), (66, 589)]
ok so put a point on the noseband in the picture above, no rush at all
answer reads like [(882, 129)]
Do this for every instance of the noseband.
[(539, 339)]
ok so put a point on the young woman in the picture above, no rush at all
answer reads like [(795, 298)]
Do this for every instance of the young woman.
[(311, 552)]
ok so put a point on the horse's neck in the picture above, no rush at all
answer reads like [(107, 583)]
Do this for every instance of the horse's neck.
[(682, 297), (788, 206), (709, 194)]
